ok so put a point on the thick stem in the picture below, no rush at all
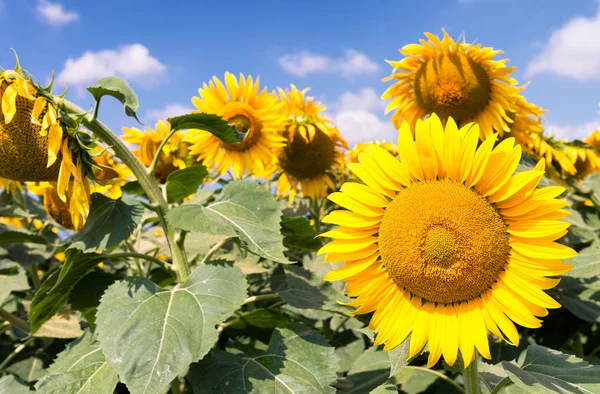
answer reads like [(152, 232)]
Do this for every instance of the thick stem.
[(152, 168), (471, 377), (15, 321), (146, 182), (262, 297)]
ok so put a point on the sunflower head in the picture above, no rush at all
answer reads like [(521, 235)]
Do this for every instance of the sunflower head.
[(71, 212), (312, 156), (255, 116), (593, 139), (352, 154), (174, 153), (583, 157), (110, 173), (452, 79), (447, 242)]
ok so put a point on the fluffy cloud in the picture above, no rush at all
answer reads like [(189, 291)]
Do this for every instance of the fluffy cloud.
[(132, 62), (572, 131), (351, 64), (573, 51), (54, 13), (156, 114), (356, 116)]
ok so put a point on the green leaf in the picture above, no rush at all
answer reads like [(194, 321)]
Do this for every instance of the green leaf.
[(298, 360), (580, 298), (110, 222), (246, 210), (299, 235), (10, 235), (209, 122), (586, 264), (182, 183), (370, 370), (65, 324), (12, 277), (119, 89), (399, 357), (10, 384), (348, 354), (30, 369), (80, 369), (86, 294), (133, 188), (262, 318), (150, 335), (546, 370), (53, 293)]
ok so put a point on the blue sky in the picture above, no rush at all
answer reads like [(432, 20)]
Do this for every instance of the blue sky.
[(168, 49)]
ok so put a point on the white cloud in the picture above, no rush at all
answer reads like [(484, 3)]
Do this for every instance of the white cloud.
[(573, 51), (571, 131), (54, 13), (351, 64), (132, 62), (156, 114), (355, 115)]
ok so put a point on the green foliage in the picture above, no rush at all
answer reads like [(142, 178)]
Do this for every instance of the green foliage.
[(298, 234), (9, 384), (119, 89), (298, 360), (11, 235), (80, 369), (12, 278), (246, 210), (150, 335), (110, 222), (182, 183), (208, 122)]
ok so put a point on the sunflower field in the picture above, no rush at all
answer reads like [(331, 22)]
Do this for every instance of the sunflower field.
[(245, 247)]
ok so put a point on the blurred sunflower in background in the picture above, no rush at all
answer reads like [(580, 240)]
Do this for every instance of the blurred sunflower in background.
[(446, 243), (36, 145), (452, 79), (174, 155), (110, 174), (312, 157), (359, 147), (256, 117), (583, 157)]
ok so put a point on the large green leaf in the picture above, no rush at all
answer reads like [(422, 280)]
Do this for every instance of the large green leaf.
[(182, 183), (246, 210), (85, 295), (212, 123), (370, 370), (53, 293), (298, 234), (546, 370), (110, 222), (399, 357), (150, 335), (12, 277), (11, 235), (587, 263), (298, 360), (119, 89), (80, 369), (580, 298), (10, 384), (30, 369)]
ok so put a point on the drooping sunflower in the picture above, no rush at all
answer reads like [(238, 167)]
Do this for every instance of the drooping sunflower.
[(446, 243), (173, 155), (256, 117), (452, 79), (110, 174), (34, 144), (312, 157), (359, 147)]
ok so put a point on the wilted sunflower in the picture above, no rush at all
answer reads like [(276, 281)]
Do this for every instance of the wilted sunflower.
[(359, 147), (70, 214), (173, 154), (451, 79), (34, 145), (257, 120), (447, 243), (312, 157)]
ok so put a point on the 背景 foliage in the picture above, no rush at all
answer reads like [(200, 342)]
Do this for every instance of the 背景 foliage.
[(108, 310)]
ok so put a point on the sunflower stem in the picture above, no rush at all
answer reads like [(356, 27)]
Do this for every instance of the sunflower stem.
[(15, 321), (471, 377), (152, 168), (147, 182)]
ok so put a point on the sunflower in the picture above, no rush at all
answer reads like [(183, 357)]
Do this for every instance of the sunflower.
[(452, 79), (447, 243), (173, 155), (359, 147), (584, 158), (111, 174), (35, 147), (312, 157), (593, 139), (257, 120)]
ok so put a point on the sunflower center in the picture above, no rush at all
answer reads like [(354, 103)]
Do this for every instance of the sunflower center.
[(452, 84), (305, 159), (443, 242), (247, 127)]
